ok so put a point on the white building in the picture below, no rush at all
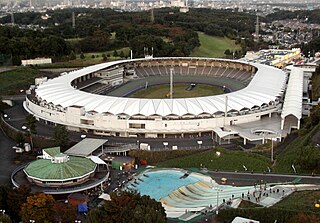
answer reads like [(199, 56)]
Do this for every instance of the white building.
[(59, 100), (36, 61)]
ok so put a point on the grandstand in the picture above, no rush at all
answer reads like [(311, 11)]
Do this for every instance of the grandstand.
[(82, 101)]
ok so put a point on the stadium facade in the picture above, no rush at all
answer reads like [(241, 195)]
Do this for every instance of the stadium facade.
[(62, 100)]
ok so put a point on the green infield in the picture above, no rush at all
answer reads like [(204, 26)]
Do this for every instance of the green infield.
[(212, 46), (180, 91)]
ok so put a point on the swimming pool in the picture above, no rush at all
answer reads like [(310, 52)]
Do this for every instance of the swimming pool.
[(179, 193), (160, 183)]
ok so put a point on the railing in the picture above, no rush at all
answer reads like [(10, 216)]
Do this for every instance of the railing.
[(77, 189), (16, 170), (167, 148)]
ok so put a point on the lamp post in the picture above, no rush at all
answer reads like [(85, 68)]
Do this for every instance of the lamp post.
[(30, 135), (217, 210), (272, 139)]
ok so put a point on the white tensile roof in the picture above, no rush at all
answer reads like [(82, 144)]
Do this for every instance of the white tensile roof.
[(293, 101), (267, 84)]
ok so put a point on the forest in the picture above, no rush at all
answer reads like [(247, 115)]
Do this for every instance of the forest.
[(171, 33)]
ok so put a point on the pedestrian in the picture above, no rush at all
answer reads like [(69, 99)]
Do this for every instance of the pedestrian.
[(242, 195)]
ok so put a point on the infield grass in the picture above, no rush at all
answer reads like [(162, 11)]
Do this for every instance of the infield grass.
[(162, 91), (212, 46)]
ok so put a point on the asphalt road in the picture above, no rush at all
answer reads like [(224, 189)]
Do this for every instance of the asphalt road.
[(17, 114), (248, 178), (7, 157)]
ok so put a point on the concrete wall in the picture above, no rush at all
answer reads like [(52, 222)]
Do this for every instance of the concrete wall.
[(77, 119)]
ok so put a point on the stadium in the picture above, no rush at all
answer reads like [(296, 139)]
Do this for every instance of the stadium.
[(96, 99)]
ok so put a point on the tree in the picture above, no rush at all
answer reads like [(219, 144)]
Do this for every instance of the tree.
[(82, 56), (4, 218), (64, 213), (115, 53), (72, 55), (15, 200), (128, 207), (4, 190), (104, 57), (38, 208), (303, 217), (61, 136), (20, 138), (121, 54), (31, 123)]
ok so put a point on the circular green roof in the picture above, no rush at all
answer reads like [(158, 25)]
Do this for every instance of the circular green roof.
[(75, 167)]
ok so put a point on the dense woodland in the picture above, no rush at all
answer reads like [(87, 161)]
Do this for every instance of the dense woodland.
[(311, 16), (97, 30), (171, 34)]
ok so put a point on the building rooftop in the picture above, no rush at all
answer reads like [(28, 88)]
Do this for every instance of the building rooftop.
[(86, 147), (53, 151), (75, 167)]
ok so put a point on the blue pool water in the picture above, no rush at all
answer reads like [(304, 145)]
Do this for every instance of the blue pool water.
[(160, 183)]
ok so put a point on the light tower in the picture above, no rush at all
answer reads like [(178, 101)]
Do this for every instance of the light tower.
[(73, 21), (152, 15), (12, 18), (171, 83), (257, 29)]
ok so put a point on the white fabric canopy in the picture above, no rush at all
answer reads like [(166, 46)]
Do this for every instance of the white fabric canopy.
[(97, 160), (267, 84), (293, 101)]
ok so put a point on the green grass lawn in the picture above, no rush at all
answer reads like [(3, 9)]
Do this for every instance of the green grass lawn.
[(228, 160), (162, 91), (212, 46), (300, 201), (11, 82), (290, 155)]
